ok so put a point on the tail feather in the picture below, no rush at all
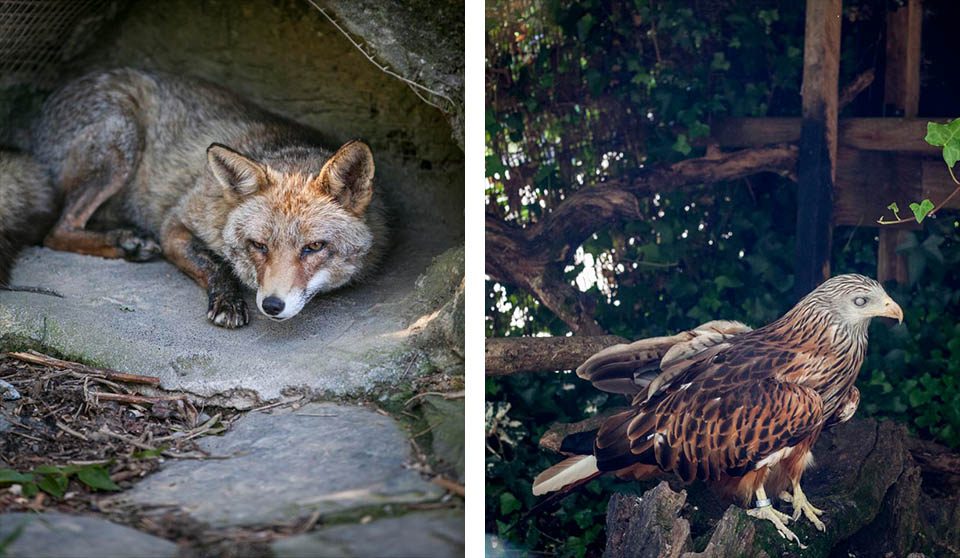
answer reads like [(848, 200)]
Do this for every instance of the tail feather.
[(568, 473), (629, 367)]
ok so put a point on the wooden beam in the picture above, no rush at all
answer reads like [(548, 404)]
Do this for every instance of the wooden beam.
[(903, 135), (867, 181), (816, 165), (901, 84), (901, 94)]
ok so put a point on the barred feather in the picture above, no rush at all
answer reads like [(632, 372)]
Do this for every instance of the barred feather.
[(724, 404)]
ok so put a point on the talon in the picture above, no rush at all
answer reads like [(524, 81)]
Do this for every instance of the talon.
[(773, 516), (803, 506)]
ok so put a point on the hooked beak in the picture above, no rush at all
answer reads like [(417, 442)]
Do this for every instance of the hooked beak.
[(892, 310)]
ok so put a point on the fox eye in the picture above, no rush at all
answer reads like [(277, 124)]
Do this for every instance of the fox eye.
[(262, 248), (860, 300), (313, 248)]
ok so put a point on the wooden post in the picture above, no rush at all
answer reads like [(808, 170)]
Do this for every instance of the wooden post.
[(816, 166), (901, 93)]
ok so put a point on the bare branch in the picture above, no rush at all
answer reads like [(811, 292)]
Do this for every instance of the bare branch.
[(854, 88), (532, 258), (512, 355)]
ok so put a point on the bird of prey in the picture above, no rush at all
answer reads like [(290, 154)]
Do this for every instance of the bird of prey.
[(735, 407)]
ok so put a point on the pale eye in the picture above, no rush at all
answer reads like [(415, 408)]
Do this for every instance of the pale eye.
[(860, 300)]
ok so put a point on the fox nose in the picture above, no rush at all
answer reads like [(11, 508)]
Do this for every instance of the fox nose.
[(272, 305)]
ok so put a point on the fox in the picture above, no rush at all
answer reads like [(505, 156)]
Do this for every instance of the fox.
[(147, 164), (27, 207)]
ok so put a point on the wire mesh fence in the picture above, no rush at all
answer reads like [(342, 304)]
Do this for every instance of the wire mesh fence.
[(37, 37)]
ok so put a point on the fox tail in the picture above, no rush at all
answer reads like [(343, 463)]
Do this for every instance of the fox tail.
[(27, 207)]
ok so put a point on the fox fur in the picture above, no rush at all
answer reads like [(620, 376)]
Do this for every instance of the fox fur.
[(27, 207), (149, 163)]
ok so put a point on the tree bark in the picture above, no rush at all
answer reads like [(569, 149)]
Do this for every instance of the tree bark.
[(511, 355)]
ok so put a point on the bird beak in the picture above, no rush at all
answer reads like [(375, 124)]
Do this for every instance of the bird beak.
[(892, 310)]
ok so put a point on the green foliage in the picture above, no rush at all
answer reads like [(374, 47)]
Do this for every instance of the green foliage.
[(946, 136), (921, 210), (54, 479), (588, 92)]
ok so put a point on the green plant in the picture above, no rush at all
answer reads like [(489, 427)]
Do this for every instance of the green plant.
[(54, 479), (946, 136)]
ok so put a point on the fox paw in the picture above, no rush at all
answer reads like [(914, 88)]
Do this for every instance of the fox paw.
[(137, 247), (227, 311)]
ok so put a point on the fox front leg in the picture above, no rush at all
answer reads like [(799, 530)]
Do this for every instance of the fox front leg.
[(225, 304)]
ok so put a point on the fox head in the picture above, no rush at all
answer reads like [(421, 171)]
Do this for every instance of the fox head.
[(292, 232)]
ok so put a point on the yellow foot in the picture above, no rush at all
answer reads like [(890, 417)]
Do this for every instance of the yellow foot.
[(778, 519), (801, 505)]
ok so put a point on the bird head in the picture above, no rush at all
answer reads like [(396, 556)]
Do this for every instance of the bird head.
[(856, 299)]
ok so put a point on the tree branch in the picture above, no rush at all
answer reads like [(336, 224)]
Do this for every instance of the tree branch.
[(854, 88), (532, 258), (512, 355)]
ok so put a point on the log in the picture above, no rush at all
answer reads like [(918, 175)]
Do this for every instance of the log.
[(866, 480), (648, 527), (512, 355)]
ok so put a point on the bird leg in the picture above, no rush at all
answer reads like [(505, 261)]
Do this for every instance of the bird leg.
[(765, 510), (801, 505)]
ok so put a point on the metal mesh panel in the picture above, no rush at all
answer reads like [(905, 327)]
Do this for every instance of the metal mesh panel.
[(38, 36)]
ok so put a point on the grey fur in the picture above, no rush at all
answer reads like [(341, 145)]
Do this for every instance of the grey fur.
[(27, 206), (153, 131)]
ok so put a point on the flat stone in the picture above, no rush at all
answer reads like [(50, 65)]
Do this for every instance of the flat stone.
[(150, 319), (57, 535), (426, 535), (324, 457)]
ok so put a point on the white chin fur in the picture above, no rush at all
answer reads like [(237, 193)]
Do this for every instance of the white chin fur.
[(295, 300)]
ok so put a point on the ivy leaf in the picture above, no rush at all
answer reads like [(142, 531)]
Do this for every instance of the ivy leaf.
[(922, 209), (13, 477), (508, 503), (96, 478), (946, 136), (584, 26), (681, 145), (895, 209), (720, 62), (54, 485)]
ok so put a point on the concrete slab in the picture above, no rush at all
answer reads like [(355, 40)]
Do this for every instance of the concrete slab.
[(56, 535), (323, 457), (151, 319), (426, 535)]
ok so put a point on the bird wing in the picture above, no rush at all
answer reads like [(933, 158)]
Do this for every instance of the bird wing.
[(632, 368), (712, 426), (708, 340), (848, 406)]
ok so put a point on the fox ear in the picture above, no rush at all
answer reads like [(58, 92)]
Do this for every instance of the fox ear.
[(238, 175), (348, 176)]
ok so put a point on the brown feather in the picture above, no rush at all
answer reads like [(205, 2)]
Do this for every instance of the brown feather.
[(732, 406)]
